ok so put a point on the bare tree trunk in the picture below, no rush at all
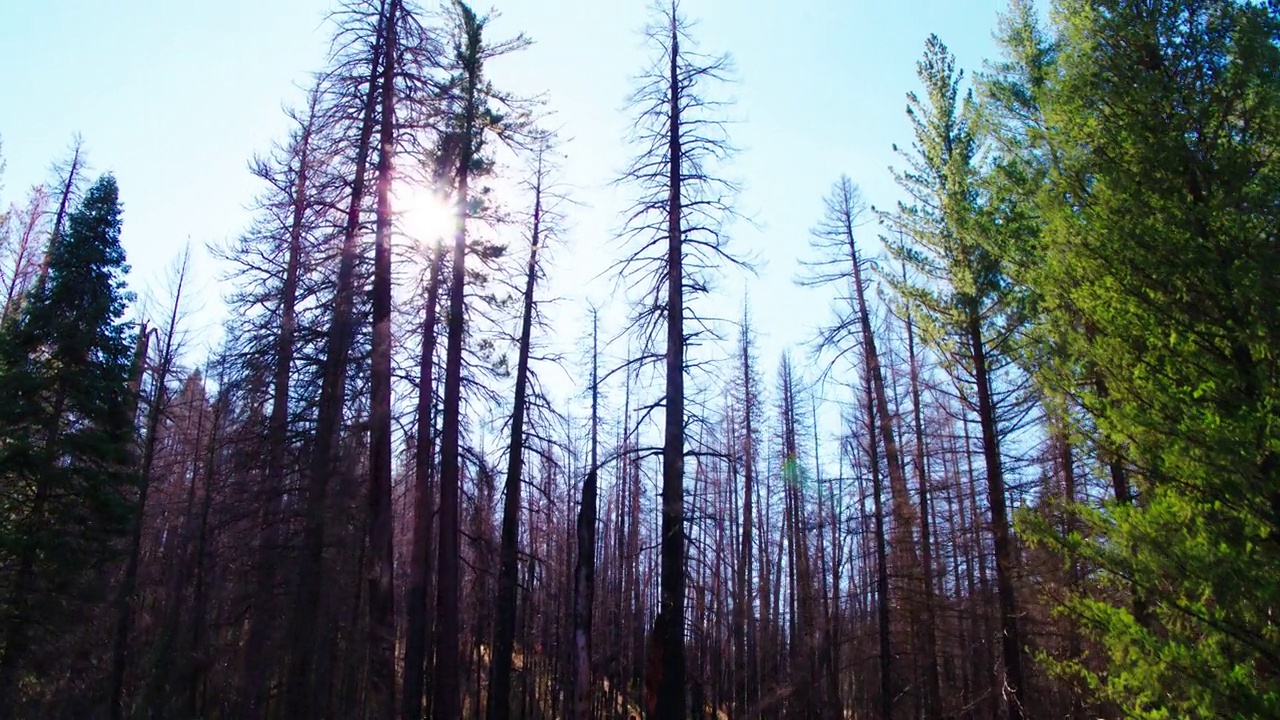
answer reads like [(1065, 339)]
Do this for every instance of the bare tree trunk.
[(882, 560), (508, 552), (1011, 641), (767, 642), (802, 615), (129, 583), (415, 654), (671, 701), (380, 570), (825, 653), (968, 671), (20, 277), (835, 638), (893, 458), (165, 669), (448, 699), (74, 168), (301, 696), (585, 570), (744, 615), (255, 674), (199, 596), (630, 551), (932, 689), (978, 601), (481, 539)]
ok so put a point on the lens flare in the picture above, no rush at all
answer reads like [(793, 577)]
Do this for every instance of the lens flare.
[(425, 218)]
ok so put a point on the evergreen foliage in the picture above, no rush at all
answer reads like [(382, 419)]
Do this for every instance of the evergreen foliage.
[(1154, 281), (66, 436)]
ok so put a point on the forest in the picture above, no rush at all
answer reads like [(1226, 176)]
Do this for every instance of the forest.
[(1027, 467)]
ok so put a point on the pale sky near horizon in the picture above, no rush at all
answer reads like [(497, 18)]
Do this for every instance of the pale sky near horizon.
[(175, 97)]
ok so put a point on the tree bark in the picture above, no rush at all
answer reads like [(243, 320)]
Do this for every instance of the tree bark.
[(301, 697), (1011, 641), (508, 553), (671, 688), (585, 570), (380, 571)]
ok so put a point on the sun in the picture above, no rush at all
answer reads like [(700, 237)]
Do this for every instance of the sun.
[(425, 218)]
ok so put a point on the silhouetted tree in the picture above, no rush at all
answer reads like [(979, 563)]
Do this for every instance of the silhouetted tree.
[(675, 229)]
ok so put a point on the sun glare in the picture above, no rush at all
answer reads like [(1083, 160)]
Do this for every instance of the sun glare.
[(425, 218)]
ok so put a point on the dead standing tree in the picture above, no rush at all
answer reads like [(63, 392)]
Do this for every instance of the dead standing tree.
[(543, 221), (290, 176), (584, 574), (356, 86), (157, 408), (674, 230), (19, 261), (841, 261), (422, 519)]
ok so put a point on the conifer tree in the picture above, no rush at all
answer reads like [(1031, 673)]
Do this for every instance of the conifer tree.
[(66, 458), (474, 116), (947, 222), (1156, 285)]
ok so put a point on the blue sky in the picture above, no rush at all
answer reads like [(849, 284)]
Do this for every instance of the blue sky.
[(175, 97)]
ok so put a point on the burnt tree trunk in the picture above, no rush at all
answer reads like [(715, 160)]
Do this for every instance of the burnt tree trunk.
[(447, 703), (302, 697), (129, 583), (64, 202), (255, 669), (416, 599), (671, 701), (509, 548), (584, 577), (928, 632), (882, 559), (744, 623), (380, 569)]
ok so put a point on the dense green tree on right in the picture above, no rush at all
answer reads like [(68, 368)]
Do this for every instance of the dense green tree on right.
[(1140, 139)]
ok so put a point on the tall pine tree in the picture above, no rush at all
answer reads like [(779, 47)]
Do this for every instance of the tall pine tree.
[(1156, 275), (66, 441)]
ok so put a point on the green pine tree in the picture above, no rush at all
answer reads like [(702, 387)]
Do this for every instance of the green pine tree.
[(1157, 290), (66, 441), (944, 232)]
